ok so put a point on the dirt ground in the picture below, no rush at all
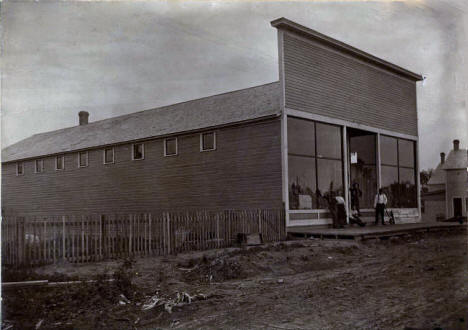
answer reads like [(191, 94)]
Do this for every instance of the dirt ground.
[(413, 282)]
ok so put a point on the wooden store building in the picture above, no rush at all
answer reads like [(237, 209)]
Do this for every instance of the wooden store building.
[(337, 116)]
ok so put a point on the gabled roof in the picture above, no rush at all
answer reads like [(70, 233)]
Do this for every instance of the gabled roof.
[(287, 25), (457, 159), (437, 176), (232, 107)]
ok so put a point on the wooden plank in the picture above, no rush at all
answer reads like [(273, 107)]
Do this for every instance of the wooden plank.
[(63, 239), (150, 249), (100, 237), (81, 255)]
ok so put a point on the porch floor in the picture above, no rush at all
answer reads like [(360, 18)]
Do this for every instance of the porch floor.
[(372, 231)]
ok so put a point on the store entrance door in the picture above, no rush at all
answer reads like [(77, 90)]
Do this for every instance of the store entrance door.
[(362, 167)]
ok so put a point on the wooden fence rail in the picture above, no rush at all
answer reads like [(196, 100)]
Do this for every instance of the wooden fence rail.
[(30, 241)]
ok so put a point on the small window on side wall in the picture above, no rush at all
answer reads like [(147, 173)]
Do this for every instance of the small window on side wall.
[(109, 156), (138, 151), (207, 141), (19, 168), (170, 147), (60, 162), (82, 159), (39, 166)]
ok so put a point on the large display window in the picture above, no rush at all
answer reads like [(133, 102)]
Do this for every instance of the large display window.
[(398, 171), (315, 163)]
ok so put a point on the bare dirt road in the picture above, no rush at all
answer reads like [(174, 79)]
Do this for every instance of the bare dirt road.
[(417, 282)]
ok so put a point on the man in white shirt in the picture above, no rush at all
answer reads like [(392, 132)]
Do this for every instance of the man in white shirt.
[(379, 204)]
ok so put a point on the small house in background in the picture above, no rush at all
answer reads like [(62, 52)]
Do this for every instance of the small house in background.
[(447, 189), (336, 117)]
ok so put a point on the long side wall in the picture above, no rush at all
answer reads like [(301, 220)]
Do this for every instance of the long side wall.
[(243, 172), (322, 81)]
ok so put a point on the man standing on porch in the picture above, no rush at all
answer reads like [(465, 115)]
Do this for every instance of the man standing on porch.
[(379, 204)]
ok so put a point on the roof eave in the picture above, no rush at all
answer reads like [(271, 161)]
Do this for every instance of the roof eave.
[(285, 24)]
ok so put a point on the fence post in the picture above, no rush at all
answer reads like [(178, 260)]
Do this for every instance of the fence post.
[(104, 244), (217, 230), (259, 221), (63, 237), (168, 233), (150, 250), (20, 242)]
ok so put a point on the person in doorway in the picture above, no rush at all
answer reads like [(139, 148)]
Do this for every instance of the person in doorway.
[(379, 204), (355, 194)]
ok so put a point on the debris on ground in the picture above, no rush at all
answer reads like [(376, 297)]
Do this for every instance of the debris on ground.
[(240, 288)]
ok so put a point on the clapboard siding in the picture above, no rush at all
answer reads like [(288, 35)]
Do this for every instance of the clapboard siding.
[(243, 172), (322, 81)]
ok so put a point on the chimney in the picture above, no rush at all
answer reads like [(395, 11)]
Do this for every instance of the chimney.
[(442, 157), (83, 117), (456, 144)]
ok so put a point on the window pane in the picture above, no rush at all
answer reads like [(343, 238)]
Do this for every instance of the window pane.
[(301, 183), (83, 160), (59, 162), (388, 150), (138, 151), (389, 183), (301, 137), (330, 180), (19, 168), (38, 164), (208, 141), (406, 153), (328, 141), (408, 193), (171, 146), (109, 155)]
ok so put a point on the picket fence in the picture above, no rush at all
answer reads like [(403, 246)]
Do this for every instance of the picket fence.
[(32, 241)]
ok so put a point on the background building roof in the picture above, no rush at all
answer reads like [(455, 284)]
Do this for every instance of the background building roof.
[(237, 106), (457, 159), (437, 176)]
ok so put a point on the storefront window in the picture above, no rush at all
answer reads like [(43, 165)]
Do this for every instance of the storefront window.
[(407, 164), (408, 193), (301, 183), (406, 153), (328, 141), (388, 150), (330, 180), (306, 167), (399, 180), (301, 137), (389, 183)]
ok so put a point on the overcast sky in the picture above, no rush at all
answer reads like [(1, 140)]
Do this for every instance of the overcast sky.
[(113, 58)]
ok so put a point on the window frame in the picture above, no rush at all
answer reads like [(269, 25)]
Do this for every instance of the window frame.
[(316, 157), (22, 168), (35, 165), (87, 159), (113, 155), (176, 146), (400, 167), (214, 141), (142, 151), (63, 163)]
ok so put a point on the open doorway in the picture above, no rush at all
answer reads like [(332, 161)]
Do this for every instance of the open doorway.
[(457, 207), (362, 160)]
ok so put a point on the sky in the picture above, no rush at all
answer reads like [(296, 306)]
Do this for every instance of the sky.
[(114, 58)]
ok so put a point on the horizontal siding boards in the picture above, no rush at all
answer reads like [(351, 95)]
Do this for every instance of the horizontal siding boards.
[(322, 81), (243, 172)]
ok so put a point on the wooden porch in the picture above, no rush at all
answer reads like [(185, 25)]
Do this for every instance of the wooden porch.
[(371, 231)]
